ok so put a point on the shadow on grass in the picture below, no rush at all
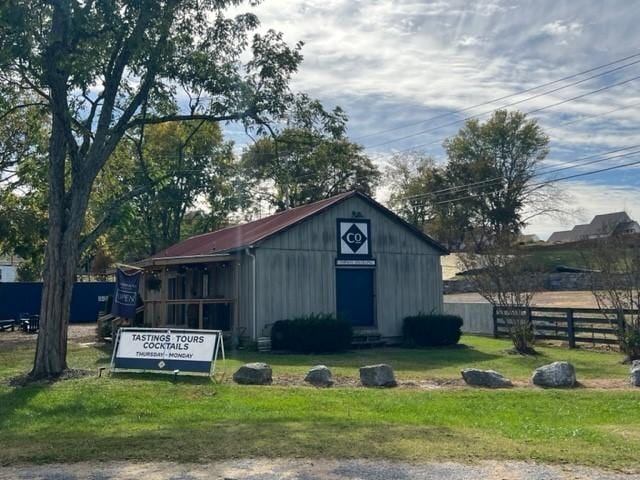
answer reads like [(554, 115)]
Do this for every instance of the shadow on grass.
[(224, 440)]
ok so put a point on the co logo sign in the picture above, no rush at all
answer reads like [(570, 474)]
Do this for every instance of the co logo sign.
[(355, 238)]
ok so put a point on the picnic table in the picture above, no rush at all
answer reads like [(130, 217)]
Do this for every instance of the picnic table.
[(9, 324)]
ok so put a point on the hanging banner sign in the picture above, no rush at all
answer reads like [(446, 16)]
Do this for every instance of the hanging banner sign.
[(126, 294), (167, 349)]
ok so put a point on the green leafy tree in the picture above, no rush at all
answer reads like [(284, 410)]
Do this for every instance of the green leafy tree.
[(483, 192), (178, 167), (417, 186), (23, 148), (310, 159), (499, 159), (105, 68)]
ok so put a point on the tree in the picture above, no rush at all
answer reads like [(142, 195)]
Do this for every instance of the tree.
[(410, 177), (106, 67), (23, 195), (310, 159), (417, 185), (505, 280), (485, 190), (616, 286), (177, 166), (499, 159)]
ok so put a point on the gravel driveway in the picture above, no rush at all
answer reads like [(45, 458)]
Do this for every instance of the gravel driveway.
[(309, 470)]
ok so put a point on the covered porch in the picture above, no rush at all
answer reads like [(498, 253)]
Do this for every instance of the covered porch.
[(200, 292)]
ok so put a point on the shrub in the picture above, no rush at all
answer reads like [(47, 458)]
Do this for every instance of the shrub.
[(431, 330), (317, 333)]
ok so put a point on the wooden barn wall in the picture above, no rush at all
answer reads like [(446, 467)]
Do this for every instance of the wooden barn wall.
[(296, 270)]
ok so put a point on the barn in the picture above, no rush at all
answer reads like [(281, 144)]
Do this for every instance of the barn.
[(346, 255)]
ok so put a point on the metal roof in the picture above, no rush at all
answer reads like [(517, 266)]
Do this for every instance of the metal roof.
[(249, 234)]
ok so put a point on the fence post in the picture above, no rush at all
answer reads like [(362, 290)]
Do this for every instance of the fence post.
[(622, 325), (570, 329), (495, 322)]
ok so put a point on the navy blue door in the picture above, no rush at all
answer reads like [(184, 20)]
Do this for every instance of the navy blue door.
[(355, 295)]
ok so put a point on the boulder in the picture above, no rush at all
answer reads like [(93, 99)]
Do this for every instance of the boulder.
[(319, 376), (556, 374), (485, 378), (377, 376), (253, 374), (635, 374)]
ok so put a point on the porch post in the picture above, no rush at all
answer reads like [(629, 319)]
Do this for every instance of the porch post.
[(163, 296), (236, 304)]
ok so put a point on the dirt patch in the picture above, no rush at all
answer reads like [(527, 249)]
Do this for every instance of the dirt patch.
[(577, 299), (77, 333), (69, 374)]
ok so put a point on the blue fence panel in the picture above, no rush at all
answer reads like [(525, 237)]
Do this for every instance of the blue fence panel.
[(87, 299)]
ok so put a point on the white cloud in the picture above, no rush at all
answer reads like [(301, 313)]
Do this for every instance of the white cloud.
[(469, 41), (397, 62), (560, 28)]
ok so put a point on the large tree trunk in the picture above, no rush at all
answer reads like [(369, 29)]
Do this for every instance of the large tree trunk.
[(61, 261)]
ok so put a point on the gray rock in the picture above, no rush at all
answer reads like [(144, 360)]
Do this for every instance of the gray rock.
[(485, 378), (556, 374), (377, 376), (253, 374), (635, 375), (319, 376)]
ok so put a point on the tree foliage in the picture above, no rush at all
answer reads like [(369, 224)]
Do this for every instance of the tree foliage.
[(484, 191), (186, 176), (310, 159), (105, 68)]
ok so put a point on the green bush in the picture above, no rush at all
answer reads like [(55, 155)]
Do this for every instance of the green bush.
[(317, 333), (431, 330)]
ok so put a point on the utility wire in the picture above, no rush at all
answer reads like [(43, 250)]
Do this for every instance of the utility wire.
[(471, 117), (546, 107), (536, 174), (549, 182), (488, 102)]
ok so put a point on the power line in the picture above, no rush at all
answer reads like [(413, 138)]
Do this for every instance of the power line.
[(546, 107), (488, 102), (576, 165), (549, 182), (570, 122), (471, 117), (536, 174)]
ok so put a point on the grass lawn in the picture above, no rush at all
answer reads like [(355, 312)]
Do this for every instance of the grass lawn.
[(149, 417)]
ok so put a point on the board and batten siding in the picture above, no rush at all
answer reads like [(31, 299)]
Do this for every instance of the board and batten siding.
[(295, 270)]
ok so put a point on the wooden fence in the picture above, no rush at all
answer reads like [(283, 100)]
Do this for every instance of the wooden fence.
[(571, 325)]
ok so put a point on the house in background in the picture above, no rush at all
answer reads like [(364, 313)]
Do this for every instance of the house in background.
[(346, 255), (9, 268), (602, 226)]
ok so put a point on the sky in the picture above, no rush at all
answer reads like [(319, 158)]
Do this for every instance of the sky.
[(395, 65)]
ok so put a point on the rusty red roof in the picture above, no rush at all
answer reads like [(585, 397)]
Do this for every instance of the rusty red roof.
[(248, 234)]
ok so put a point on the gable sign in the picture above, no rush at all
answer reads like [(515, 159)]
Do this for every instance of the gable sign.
[(354, 238)]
